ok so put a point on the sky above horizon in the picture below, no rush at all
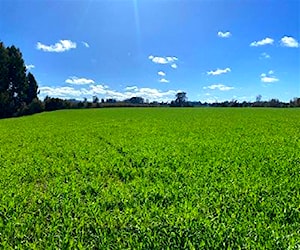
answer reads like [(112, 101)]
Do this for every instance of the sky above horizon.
[(213, 50)]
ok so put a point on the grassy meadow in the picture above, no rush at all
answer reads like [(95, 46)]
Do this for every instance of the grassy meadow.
[(151, 178)]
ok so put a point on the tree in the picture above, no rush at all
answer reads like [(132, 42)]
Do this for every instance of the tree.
[(17, 90), (135, 100), (258, 98), (55, 103), (295, 102), (274, 103), (4, 68), (16, 76), (5, 100), (95, 99), (31, 88), (180, 99)]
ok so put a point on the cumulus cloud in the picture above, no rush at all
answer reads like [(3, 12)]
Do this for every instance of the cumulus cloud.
[(163, 80), (172, 58), (61, 46), (220, 87), (288, 41), (131, 88), (158, 59), (79, 81), (151, 94), (63, 92), (29, 67), (174, 66), (224, 34), (100, 89), (269, 77), (161, 73), (104, 91), (85, 44), (164, 60), (219, 71), (262, 42), (156, 94)]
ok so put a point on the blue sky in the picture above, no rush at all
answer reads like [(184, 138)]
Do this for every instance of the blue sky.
[(213, 50)]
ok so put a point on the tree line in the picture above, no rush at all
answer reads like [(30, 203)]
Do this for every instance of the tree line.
[(179, 101), (19, 93)]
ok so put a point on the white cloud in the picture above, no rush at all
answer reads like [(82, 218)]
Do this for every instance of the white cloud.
[(164, 60), (171, 58), (158, 59), (163, 80), (146, 93), (131, 88), (61, 46), (29, 67), (224, 34), (63, 92), (86, 44), (268, 78), (219, 71), (220, 87), (289, 41), (161, 73), (103, 91), (265, 55), (174, 66), (100, 89), (262, 42), (79, 81), (156, 94)]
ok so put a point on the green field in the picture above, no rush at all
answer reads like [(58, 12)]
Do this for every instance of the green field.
[(151, 178)]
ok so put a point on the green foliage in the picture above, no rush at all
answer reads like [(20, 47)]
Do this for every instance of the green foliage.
[(151, 179), (17, 90), (31, 88)]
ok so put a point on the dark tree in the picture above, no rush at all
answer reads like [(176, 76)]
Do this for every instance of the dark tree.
[(295, 102), (17, 91), (135, 100), (111, 100), (56, 103), (274, 103), (5, 100), (3, 68), (95, 99), (180, 98), (31, 88), (258, 98), (16, 76)]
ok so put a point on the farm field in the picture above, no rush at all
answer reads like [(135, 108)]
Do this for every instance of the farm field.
[(151, 178)]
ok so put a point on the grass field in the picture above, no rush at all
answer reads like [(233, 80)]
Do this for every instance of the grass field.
[(151, 178)]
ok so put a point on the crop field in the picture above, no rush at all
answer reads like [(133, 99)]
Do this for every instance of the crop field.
[(151, 178)]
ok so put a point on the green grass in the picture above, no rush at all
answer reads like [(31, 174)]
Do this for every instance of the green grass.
[(152, 178)]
